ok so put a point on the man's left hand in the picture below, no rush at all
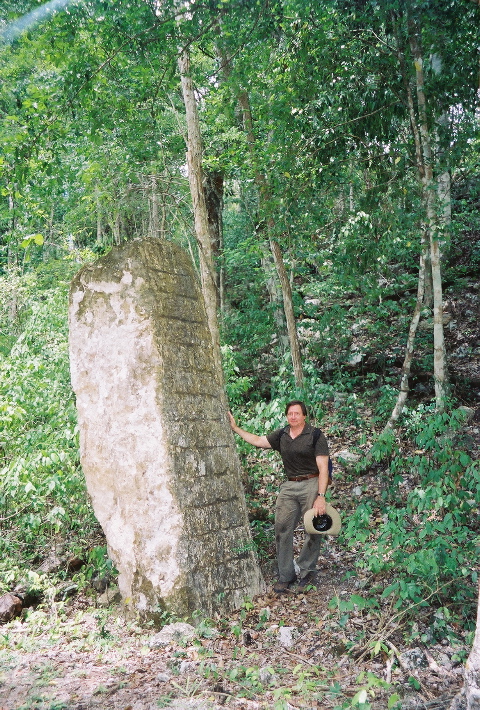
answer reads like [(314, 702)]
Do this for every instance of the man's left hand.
[(319, 505)]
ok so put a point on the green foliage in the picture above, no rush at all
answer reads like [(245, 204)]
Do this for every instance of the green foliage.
[(428, 538), (236, 386), (370, 683), (263, 536), (42, 490), (99, 564)]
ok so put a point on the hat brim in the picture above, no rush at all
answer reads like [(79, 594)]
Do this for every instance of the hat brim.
[(336, 521)]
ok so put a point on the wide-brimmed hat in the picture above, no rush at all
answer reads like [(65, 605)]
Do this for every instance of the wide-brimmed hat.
[(328, 524)]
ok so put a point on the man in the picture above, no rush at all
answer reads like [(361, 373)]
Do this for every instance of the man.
[(305, 461)]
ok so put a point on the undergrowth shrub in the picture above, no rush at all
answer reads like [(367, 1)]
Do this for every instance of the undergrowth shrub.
[(236, 385), (42, 489), (428, 543)]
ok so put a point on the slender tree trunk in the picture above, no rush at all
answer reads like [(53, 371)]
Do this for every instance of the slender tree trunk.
[(276, 298), (472, 670), (429, 282), (443, 179), (196, 181), (274, 247), (115, 226), (439, 356), (217, 180), (11, 255), (98, 208), (50, 222), (419, 161), (154, 220), (289, 314), (163, 222), (444, 197), (407, 363)]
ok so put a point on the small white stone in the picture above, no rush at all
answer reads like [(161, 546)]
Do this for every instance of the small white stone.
[(173, 633), (286, 636), (267, 676)]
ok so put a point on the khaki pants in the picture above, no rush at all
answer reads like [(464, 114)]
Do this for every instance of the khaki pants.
[(294, 499)]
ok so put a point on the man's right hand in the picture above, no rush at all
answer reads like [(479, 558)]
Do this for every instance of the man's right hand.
[(232, 421)]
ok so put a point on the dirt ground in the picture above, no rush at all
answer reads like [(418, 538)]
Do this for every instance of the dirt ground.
[(74, 656)]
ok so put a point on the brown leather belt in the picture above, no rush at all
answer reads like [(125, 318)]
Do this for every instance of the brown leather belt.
[(304, 478)]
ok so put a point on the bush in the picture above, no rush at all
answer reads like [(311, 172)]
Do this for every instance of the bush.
[(42, 489), (430, 534)]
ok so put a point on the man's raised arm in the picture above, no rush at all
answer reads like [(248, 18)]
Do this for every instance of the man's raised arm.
[(260, 441)]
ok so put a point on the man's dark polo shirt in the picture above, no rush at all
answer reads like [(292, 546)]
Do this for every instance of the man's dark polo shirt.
[(298, 454)]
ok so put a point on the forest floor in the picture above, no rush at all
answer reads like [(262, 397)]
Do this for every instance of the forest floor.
[(77, 655), (92, 658)]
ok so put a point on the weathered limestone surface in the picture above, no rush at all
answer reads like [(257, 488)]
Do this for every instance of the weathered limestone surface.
[(156, 448)]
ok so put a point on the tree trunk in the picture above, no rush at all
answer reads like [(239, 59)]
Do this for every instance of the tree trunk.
[(430, 271), (472, 670), (213, 186), (274, 289), (439, 357), (116, 228), (11, 253), (407, 363), (98, 208), (154, 220), (289, 314), (443, 178), (264, 193), (196, 182)]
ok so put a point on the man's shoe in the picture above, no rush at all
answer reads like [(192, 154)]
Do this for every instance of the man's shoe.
[(306, 582), (283, 587)]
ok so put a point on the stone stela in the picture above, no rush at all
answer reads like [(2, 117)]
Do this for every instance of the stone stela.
[(156, 448)]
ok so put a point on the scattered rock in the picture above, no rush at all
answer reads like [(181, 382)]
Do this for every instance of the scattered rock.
[(10, 607), (413, 658), (51, 564), (468, 412), (412, 702), (172, 633), (74, 564), (100, 584), (459, 702), (186, 666), (267, 676), (356, 358), (110, 596), (65, 590), (339, 398), (163, 677), (444, 661), (188, 704), (359, 325), (347, 459), (29, 597), (286, 636)]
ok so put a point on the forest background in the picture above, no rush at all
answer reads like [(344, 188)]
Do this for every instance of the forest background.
[(329, 199)]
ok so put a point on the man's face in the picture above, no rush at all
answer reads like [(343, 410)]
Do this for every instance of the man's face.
[(295, 416)]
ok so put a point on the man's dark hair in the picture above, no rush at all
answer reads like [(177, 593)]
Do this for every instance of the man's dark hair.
[(296, 401)]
